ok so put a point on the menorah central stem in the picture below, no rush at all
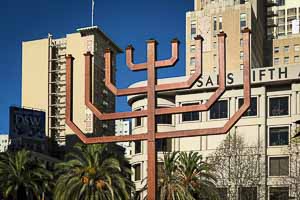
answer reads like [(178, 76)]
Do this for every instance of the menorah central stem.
[(151, 126)]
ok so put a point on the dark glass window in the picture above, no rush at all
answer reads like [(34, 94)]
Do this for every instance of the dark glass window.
[(281, 2), (137, 147), (279, 166), (252, 111), (222, 192), (279, 136), (163, 145), (220, 23), (137, 172), (193, 31), (190, 116), (279, 106), (279, 193), (219, 110), (247, 193), (243, 18), (138, 120), (193, 61), (215, 24), (160, 169), (164, 119)]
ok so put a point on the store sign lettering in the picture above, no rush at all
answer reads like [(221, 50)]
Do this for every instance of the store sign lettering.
[(257, 75)]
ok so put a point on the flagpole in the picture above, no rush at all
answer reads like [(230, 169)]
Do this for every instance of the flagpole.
[(93, 5)]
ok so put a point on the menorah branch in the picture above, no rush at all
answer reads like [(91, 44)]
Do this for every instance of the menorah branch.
[(235, 118), (192, 79), (111, 86), (129, 60), (172, 61), (217, 94)]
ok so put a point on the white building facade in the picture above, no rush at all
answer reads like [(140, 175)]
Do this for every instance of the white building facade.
[(123, 127), (4, 142)]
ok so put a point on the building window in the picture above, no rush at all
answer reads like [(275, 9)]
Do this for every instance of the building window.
[(279, 136), (247, 193), (286, 60), (137, 147), (160, 170), (243, 23), (279, 166), (215, 24), (241, 42), (278, 106), (252, 111), (190, 116), (241, 66), (137, 172), (193, 48), (214, 45), (163, 145), (279, 193), (241, 55), (215, 60), (276, 61), (286, 48), (297, 47), (220, 23), (281, 2), (192, 61), (243, 1), (138, 120), (222, 192), (296, 59), (164, 119), (219, 110), (193, 30)]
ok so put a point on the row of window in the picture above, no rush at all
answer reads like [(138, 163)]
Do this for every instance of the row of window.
[(278, 166), (286, 60), (278, 136), (278, 106), (161, 145), (286, 48), (218, 24), (251, 193)]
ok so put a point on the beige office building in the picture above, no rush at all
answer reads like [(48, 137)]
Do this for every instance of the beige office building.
[(267, 167), (283, 41), (44, 80)]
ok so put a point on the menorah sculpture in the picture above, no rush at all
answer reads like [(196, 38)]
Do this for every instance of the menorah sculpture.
[(151, 89)]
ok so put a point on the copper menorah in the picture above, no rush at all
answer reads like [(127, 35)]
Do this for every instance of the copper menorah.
[(151, 89)]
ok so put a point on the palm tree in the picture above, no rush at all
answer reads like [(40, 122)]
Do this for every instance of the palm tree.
[(169, 186), (184, 176), (21, 177), (93, 172), (196, 176)]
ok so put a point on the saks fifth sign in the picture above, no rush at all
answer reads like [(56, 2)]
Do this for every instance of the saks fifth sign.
[(258, 75)]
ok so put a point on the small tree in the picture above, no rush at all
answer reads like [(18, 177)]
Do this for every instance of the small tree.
[(93, 172), (239, 168), (22, 177), (293, 180), (185, 176)]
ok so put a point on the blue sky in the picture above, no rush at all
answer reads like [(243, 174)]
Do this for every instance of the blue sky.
[(126, 22)]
